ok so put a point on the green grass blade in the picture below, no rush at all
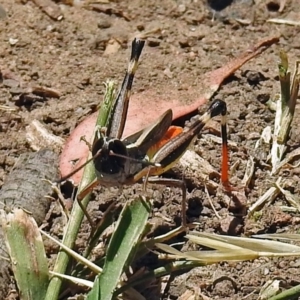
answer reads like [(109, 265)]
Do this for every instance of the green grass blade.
[(76, 217), (122, 247), (26, 250), (105, 108), (290, 294)]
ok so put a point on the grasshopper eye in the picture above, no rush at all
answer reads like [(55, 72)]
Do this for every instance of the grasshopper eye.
[(119, 149), (98, 145)]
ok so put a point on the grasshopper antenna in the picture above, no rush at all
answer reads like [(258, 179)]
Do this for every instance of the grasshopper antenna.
[(119, 111)]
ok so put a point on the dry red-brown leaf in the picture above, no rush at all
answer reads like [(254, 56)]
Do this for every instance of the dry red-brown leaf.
[(138, 117)]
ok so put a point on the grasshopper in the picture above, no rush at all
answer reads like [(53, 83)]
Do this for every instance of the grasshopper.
[(147, 153)]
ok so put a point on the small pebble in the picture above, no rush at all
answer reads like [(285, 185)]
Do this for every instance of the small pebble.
[(253, 136), (181, 8), (104, 23), (85, 81), (153, 74), (184, 42), (253, 77), (168, 73), (282, 265), (140, 27), (152, 42), (50, 28), (295, 264), (266, 271), (10, 83), (263, 98), (205, 211), (16, 91), (13, 41)]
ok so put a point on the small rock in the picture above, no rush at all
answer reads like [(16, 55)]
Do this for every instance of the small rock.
[(231, 225), (50, 28), (140, 27), (152, 42), (181, 8), (112, 47), (11, 83), (253, 136), (86, 81), (35, 75), (13, 41), (101, 41), (16, 91), (254, 77), (282, 265), (153, 74), (184, 42), (168, 73), (104, 23), (295, 264), (266, 271), (263, 97), (206, 211)]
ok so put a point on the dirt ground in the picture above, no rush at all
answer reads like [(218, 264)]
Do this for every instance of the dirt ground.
[(189, 38)]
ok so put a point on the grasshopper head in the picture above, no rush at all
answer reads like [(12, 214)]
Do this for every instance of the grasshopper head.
[(105, 162), (217, 107)]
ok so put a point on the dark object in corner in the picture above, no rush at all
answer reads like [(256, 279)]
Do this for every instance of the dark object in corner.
[(218, 5)]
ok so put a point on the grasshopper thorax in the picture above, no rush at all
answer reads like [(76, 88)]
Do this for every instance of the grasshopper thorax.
[(109, 155)]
